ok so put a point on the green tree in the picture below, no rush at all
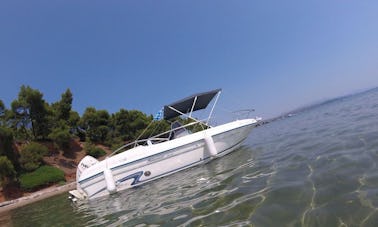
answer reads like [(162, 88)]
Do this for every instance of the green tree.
[(7, 171), (157, 127), (31, 156), (61, 136), (6, 116), (73, 120), (19, 120), (64, 121), (31, 111), (96, 124), (65, 106), (6, 144), (120, 124), (2, 112), (138, 122), (93, 151), (128, 124)]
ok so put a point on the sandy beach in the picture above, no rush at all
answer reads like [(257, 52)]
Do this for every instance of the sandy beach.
[(36, 196)]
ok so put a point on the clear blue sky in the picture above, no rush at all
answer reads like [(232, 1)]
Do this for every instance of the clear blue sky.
[(273, 56)]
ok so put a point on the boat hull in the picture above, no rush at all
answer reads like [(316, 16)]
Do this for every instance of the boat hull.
[(146, 163)]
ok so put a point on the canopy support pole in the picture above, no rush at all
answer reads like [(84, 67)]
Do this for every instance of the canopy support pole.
[(194, 103), (212, 108), (184, 114)]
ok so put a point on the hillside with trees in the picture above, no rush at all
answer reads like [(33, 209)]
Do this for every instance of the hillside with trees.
[(41, 143)]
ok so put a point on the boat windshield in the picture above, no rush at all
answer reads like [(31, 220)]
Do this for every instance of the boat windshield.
[(177, 130)]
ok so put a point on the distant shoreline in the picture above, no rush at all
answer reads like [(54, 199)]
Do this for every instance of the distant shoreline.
[(36, 196)]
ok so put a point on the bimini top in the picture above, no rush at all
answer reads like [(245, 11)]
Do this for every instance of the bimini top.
[(192, 103)]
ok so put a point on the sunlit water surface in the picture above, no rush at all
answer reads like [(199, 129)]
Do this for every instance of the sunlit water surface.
[(316, 168)]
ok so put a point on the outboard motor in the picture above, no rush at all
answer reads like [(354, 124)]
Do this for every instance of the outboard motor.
[(84, 164), (89, 161)]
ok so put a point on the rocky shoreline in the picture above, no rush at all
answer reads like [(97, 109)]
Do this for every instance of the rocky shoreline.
[(36, 196)]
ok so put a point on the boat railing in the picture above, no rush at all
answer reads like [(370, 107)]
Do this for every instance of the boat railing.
[(156, 139)]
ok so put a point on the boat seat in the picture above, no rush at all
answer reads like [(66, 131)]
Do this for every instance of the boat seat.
[(177, 131)]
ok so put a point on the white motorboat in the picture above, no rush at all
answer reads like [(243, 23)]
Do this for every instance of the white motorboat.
[(162, 154)]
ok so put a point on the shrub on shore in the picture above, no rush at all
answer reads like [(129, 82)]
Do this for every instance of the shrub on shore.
[(31, 156), (61, 137), (43, 176), (7, 171), (94, 151)]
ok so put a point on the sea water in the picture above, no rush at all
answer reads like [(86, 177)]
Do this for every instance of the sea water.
[(318, 167)]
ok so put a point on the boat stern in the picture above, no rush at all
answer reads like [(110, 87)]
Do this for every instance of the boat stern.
[(84, 164), (76, 195)]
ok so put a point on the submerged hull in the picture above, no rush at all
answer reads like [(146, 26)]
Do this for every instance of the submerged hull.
[(146, 163)]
